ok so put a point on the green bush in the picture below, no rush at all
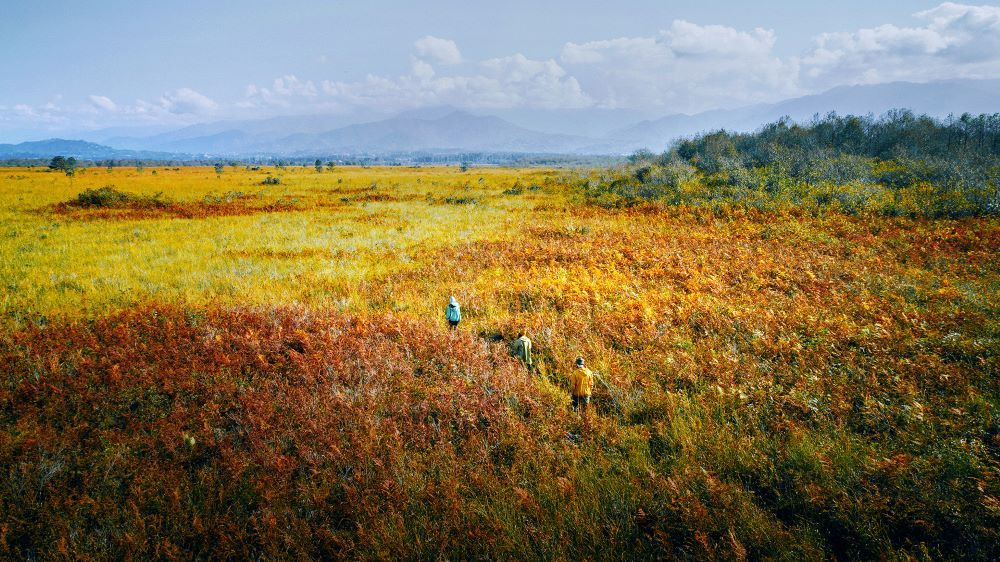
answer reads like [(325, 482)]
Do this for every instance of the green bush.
[(461, 200), (109, 197)]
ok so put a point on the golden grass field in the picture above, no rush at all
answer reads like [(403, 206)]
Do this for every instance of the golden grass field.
[(786, 384), (341, 228)]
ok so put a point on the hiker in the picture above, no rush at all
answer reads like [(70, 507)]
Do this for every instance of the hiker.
[(453, 313), (522, 350), (581, 385)]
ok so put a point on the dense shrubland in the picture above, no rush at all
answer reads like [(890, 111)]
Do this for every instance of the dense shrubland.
[(899, 164)]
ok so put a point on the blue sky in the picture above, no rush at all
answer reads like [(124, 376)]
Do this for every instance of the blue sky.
[(73, 65)]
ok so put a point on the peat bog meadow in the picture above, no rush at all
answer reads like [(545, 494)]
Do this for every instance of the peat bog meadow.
[(197, 364)]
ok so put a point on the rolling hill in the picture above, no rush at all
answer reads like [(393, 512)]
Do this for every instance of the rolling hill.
[(77, 149)]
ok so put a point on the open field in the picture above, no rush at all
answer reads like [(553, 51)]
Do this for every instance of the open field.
[(233, 369)]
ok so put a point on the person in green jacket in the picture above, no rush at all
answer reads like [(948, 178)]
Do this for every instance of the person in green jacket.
[(522, 350), (453, 313)]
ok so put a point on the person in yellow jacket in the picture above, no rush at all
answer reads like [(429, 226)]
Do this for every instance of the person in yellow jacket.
[(581, 383)]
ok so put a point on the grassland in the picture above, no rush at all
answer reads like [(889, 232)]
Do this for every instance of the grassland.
[(231, 369), (311, 239)]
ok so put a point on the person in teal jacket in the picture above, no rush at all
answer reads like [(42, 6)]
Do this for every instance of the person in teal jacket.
[(453, 313)]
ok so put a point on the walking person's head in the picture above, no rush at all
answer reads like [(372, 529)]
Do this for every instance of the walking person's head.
[(520, 333), (453, 302), (579, 361)]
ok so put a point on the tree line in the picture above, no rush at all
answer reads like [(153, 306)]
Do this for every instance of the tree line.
[(898, 163)]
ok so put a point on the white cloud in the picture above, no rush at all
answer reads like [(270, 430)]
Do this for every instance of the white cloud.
[(292, 86), (47, 113), (421, 69), (600, 52), (186, 101), (687, 67), (956, 41), (442, 51), (688, 39), (514, 81), (180, 107), (103, 103), (536, 83), (285, 91)]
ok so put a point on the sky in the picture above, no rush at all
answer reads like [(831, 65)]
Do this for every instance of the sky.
[(72, 65)]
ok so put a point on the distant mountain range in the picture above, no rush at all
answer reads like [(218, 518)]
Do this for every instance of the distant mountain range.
[(449, 130), (78, 149)]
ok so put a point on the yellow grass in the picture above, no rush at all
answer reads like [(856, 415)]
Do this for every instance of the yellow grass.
[(315, 253)]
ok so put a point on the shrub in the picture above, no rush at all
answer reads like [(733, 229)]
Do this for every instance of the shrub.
[(106, 196), (109, 197), (516, 189), (461, 200), (646, 182)]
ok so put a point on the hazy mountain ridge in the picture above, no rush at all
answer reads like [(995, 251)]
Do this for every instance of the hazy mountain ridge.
[(445, 129), (412, 131), (77, 149), (271, 127)]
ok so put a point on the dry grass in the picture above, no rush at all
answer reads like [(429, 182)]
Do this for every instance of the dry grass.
[(201, 247)]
